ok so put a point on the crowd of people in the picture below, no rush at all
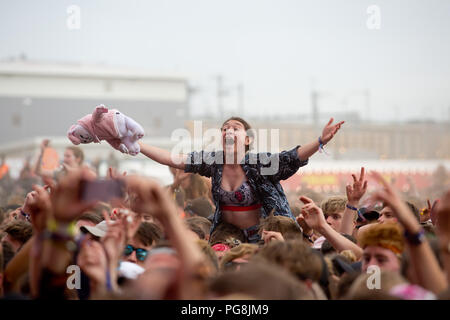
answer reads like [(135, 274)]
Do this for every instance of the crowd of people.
[(221, 230)]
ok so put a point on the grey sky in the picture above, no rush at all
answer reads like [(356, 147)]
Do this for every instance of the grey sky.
[(274, 47)]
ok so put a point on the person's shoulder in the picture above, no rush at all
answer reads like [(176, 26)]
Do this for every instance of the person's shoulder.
[(212, 153)]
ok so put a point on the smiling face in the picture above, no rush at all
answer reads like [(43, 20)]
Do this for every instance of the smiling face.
[(234, 137)]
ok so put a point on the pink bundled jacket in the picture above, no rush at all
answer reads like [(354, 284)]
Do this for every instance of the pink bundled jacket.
[(102, 126)]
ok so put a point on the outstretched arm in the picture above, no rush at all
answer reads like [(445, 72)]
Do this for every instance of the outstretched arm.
[(307, 150), (163, 156)]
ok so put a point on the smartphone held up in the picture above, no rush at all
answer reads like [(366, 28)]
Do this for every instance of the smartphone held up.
[(103, 190)]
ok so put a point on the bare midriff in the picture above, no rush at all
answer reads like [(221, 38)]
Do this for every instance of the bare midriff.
[(242, 219), (233, 176)]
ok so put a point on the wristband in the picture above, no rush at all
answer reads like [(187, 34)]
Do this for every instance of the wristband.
[(26, 215), (67, 230), (59, 239), (415, 239), (360, 215), (308, 238), (108, 280), (321, 144)]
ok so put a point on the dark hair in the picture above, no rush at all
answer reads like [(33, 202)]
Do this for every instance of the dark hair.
[(198, 187), (19, 230), (200, 207), (344, 284), (328, 248), (180, 197), (224, 232), (148, 233), (201, 222), (196, 229), (261, 281), (247, 128), (8, 254), (285, 225), (12, 207), (411, 207), (295, 256)]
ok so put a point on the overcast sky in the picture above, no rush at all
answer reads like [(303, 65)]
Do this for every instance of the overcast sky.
[(275, 48)]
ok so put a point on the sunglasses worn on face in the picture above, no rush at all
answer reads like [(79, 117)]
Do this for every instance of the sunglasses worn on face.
[(141, 254)]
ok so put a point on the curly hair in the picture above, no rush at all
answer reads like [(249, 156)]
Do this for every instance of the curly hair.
[(386, 235)]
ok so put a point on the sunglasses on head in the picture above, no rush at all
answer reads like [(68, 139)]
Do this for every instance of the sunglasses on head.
[(141, 254)]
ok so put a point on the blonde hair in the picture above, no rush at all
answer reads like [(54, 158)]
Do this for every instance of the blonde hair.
[(334, 204), (349, 254)]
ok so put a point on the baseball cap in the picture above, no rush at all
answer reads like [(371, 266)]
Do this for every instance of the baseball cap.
[(370, 215), (99, 230)]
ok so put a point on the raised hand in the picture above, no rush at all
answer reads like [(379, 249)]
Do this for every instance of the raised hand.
[(44, 144), (301, 221), (39, 206), (356, 191), (312, 214), (389, 196), (66, 203), (129, 220), (114, 174), (114, 239), (149, 197), (425, 212), (330, 130), (268, 236)]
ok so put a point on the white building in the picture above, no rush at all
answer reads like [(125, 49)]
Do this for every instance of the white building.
[(42, 100)]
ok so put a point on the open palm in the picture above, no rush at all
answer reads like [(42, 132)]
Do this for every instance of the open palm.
[(330, 130)]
